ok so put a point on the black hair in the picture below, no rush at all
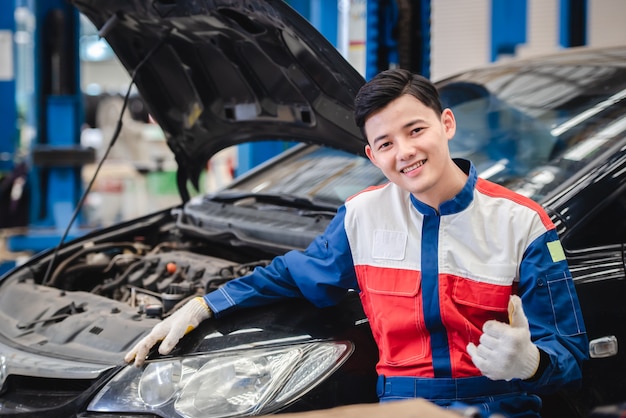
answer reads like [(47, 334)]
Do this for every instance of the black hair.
[(389, 85)]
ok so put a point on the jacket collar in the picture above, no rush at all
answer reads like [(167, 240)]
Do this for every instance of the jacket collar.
[(459, 202)]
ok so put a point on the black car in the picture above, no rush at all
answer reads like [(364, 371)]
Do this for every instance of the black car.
[(221, 73)]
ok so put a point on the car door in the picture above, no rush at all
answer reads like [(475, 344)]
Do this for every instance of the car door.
[(590, 214)]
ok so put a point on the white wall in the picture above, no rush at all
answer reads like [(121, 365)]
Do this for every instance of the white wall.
[(542, 28), (110, 76), (461, 34), (606, 22)]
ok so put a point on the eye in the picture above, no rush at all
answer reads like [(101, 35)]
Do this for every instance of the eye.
[(416, 131), (384, 145)]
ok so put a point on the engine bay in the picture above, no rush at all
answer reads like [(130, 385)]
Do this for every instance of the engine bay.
[(101, 292)]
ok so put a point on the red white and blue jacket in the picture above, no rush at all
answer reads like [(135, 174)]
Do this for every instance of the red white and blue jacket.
[(429, 280)]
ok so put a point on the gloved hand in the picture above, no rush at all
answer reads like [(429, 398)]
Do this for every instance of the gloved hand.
[(170, 330), (506, 351)]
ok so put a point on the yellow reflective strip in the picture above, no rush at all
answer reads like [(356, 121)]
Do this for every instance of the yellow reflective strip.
[(556, 251)]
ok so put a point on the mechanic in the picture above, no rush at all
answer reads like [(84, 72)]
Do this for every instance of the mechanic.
[(465, 283)]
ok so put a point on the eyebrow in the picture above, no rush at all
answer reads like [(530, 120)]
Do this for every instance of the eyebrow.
[(406, 125), (380, 138)]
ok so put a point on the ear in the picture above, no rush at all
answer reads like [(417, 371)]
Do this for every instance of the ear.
[(449, 123), (370, 154)]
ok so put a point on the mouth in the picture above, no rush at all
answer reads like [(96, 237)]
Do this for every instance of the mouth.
[(413, 167)]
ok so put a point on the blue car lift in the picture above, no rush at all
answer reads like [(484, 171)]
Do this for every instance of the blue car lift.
[(56, 114), (8, 112), (398, 35)]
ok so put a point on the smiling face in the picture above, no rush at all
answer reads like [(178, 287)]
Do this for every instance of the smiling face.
[(408, 142)]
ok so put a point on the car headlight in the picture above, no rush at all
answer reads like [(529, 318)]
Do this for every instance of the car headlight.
[(226, 384)]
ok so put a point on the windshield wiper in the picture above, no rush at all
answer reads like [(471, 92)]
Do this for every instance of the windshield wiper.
[(279, 199)]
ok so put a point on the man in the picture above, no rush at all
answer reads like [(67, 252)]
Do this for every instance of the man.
[(465, 283)]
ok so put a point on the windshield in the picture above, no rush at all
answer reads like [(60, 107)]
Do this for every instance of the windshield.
[(322, 175), (528, 127), (533, 127)]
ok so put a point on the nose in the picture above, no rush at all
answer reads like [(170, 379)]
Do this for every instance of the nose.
[(406, 149)]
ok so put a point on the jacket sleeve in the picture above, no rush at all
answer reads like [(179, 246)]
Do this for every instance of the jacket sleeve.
[(554, 315), (323, 274)]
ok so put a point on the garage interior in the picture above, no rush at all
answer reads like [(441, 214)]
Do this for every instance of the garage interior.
[(61, 94), (61, 86)]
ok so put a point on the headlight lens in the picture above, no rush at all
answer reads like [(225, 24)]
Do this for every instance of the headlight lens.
[(226, 384)]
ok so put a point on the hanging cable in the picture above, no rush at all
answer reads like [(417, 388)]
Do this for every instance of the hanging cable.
[(105, 29)]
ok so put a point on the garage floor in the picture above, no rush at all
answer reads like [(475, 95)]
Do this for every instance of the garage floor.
[(414, 408)]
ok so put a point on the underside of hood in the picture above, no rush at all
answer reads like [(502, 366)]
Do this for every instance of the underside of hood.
[(220, 73)]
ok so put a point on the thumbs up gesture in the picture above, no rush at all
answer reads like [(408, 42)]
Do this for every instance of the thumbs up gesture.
[(506, 351)]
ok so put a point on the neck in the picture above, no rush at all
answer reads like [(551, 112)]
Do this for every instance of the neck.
[(451, 183)]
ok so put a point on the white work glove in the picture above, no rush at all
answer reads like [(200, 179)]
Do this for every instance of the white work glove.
[(170, 330), (505, 351)]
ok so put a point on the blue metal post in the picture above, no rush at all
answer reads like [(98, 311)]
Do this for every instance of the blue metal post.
[(573, 23), (381, 45), (59, 102), (252, 154), (372, 36), (324, 17), (55, 170), (8, 109), (398, 34), (424, 16), (508, 26)]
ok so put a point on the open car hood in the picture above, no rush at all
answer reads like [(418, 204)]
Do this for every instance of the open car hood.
[(220, 73)]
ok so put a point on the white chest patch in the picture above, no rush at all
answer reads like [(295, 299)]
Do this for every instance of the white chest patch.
[(389, 245)]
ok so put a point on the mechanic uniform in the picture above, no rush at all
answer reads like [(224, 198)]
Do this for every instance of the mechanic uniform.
[(429, 280)]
